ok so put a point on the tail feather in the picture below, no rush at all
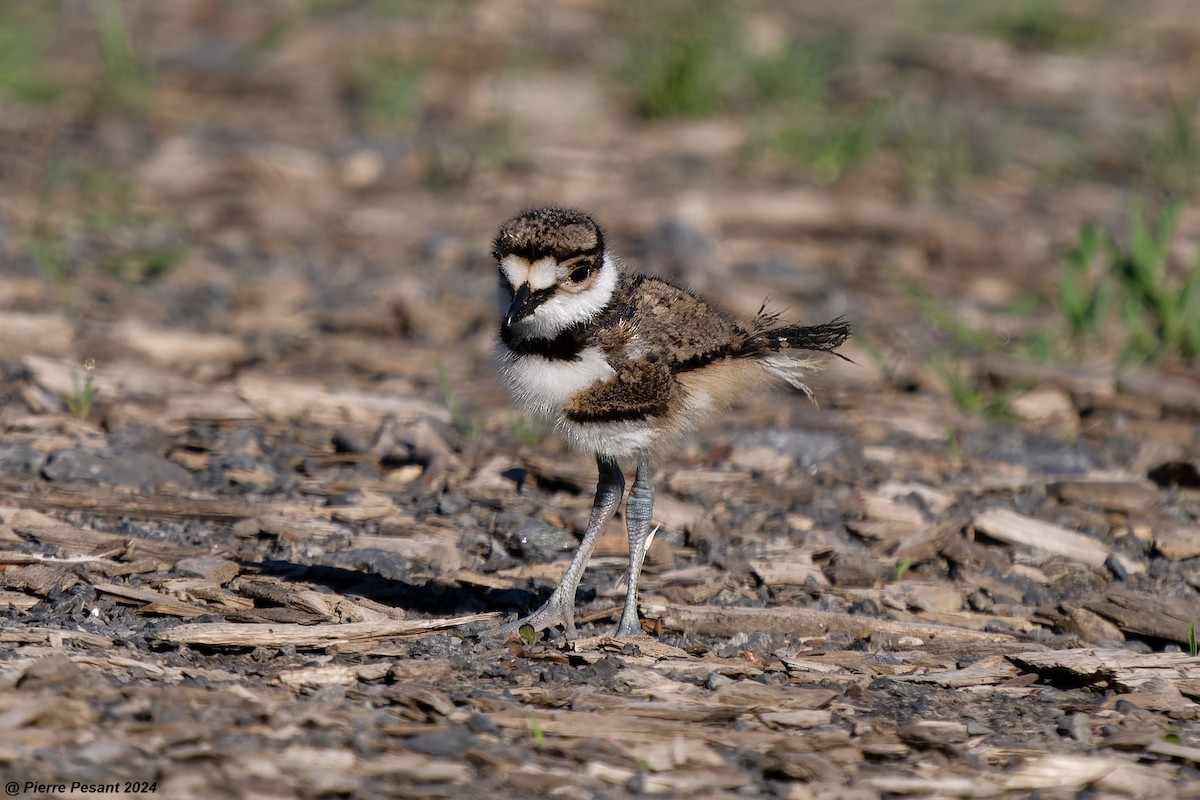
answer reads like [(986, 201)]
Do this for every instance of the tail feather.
[(777, 346), (825, 338)]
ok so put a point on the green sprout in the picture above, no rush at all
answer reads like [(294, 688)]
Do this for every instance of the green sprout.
[(1130, 289), (537, 732), (529, 635), (79, 402)]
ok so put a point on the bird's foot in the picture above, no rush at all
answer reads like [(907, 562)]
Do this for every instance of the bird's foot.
[(554, 612), (630, 627)]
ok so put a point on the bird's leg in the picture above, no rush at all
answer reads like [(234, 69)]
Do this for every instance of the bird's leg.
[(560, 608), (637, 519)]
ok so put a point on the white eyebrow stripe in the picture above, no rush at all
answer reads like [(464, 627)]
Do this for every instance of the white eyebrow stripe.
[(515, 269), (543, 273)]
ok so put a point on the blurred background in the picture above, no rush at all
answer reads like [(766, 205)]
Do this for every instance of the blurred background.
[(319, 179)]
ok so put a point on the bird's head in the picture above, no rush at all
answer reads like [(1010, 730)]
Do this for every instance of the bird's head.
[(554, 271)]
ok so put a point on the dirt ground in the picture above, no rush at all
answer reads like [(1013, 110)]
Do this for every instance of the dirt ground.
[(262, 496)]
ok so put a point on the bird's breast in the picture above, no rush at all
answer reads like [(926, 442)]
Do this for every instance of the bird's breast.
[(543, 385)]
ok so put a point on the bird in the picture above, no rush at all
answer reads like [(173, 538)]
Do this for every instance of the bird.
[(623, 364)]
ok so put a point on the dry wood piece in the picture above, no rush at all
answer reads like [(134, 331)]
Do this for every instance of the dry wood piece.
[(16, 601), (933, 787), (414, 767), (41, 579), (1159, 616), (985, 672), (607, 644), (48, 531), (804, 622), (1175, 392), (153, 602), (53, 637), (22, 334), (932, 732), (790, 568), (1110, 495), (1044, 405), (689, 710), (107, 502), (1087, 625), (800, 718), (290, 399), (751, 696), (1176, 543), (884, 507), (630, 728), (206, 355), (1009, 526), (214, 406), (221, 634), (1075, 773), (316, 677), (1179, 751), (1121, 668)]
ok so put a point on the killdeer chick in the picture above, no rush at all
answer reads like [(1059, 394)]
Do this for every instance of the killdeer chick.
[(622, 363)]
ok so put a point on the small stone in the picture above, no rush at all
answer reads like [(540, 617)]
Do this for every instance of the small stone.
[(976, 729), (218, 570), (20, 459), (541, 541), (443, 743), (481, 723), (1047, 406), (716, 680)]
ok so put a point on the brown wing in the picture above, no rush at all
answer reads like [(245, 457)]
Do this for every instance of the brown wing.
[(641, 388), (685, 328)]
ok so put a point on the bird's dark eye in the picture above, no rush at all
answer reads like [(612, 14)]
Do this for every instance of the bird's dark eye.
[(580, 273)]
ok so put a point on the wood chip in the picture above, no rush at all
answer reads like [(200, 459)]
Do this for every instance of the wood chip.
[(289, 399), (985, 672), (1110, 495), (221, 634), (414, 767), (794, 568), (1176, 543), (340, 675), (41, 579), (797, 719), (1122, 668), (24, 333), (1179, 751), (206, 355), (1088, 625), (1155, 615), (158, 506), (1177, 393), (803, 622), (1009, 526), (608, 644), (17, 601), (153, 602), (933, 787)]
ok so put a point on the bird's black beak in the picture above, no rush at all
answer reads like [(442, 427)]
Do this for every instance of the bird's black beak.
[(523, 304)]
